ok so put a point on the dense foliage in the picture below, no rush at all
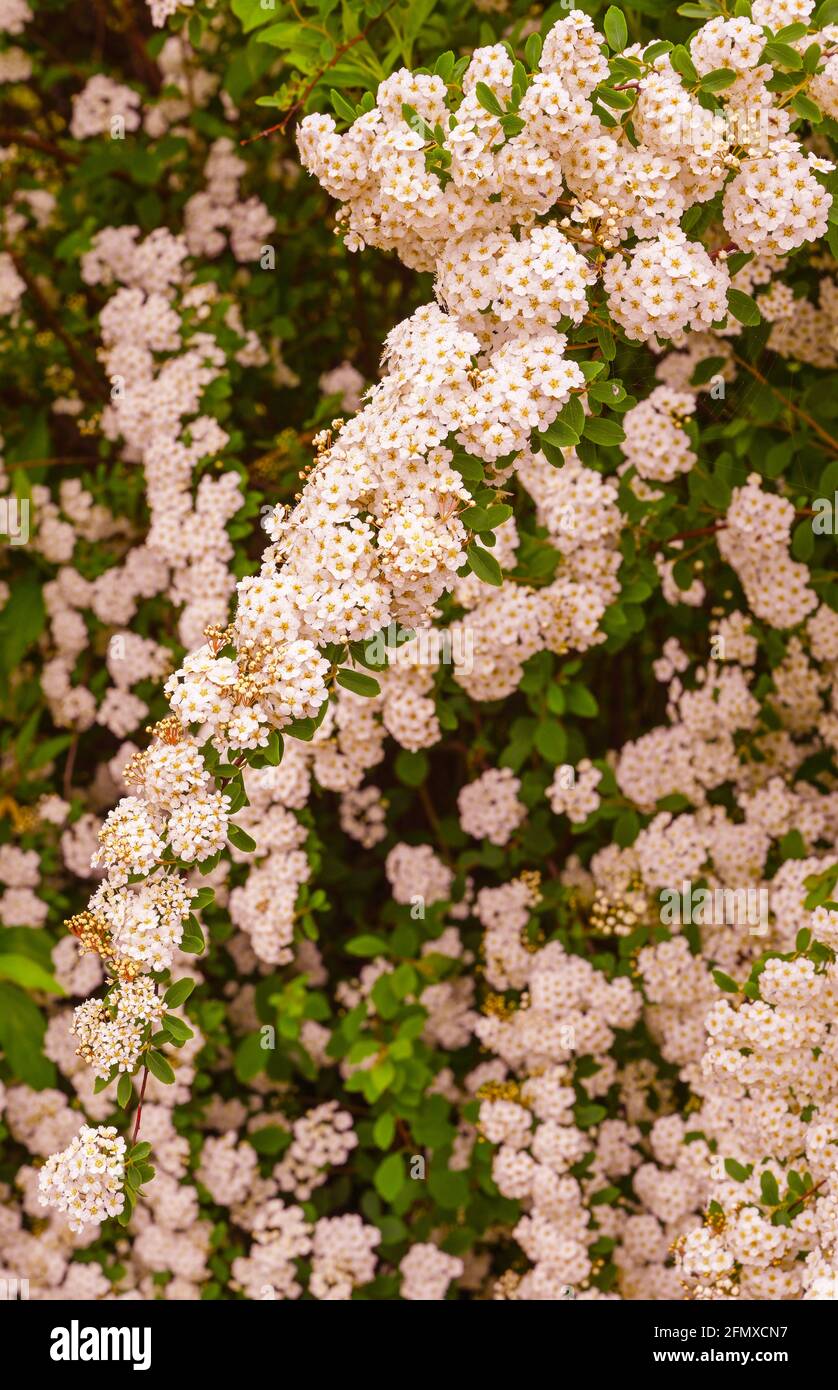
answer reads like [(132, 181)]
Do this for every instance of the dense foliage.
[(419, 626)]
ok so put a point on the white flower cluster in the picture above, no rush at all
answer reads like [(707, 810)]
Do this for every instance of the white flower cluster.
[(489, 807), (111, 1031), (85, 1179)]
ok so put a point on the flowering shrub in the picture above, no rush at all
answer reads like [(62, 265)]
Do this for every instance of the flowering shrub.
[(420, 813)]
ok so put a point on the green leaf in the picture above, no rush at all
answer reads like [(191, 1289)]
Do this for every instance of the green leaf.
[(192, 940), (769, 1189), (725, 982), (605, 432), (411, 768), (626, 828), (390, 1177), (274, 749), (781, 55), (607, 343), (718, 79), (250, 1057), (588, 1115), (606, 1196), (657, 49), (341, 106), (383, 1131), (488, 100), (124, 1091), (738, 1171), (159, 1067), (49, 749), (683, 64), (803, 540), (743, 307), (560, 435), (177, 993), (447, 1188), (580, 701), (270, 1140), (22, 621), (615, 29), (240, 839), (617, 100), (178, 1031), (706, 369), (808, 109), (367, 945), (357, 682), (484, 565), (532, 50), (27, 972), (22, 1027), (444, 65), (551, 741), (792, 846)]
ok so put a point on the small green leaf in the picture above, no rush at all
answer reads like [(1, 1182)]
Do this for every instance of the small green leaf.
[(551, 741), (177, 1030), (803, 541), (367, 945), (683, 64), (743, 307), (718, 79), (124, 1090), (159, 1067), (177, 993), (383, 1131), (725, 982), (560, 435), (606, 432), (488, 100), (781, 55), (341, 106), (588, 1115), (615, 29), (808, 109), (738, 1171), (411, 768), (484, 565), (357, 682), (240, 839), (390, 1176)]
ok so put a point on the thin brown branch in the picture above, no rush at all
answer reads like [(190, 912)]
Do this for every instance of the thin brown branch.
[(139, 1108), (309, 88), (789, 404), (10, 136)]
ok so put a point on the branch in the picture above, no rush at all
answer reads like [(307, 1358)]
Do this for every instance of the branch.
[(307, 91), (84, 369), (795, 409), (35, 142)]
